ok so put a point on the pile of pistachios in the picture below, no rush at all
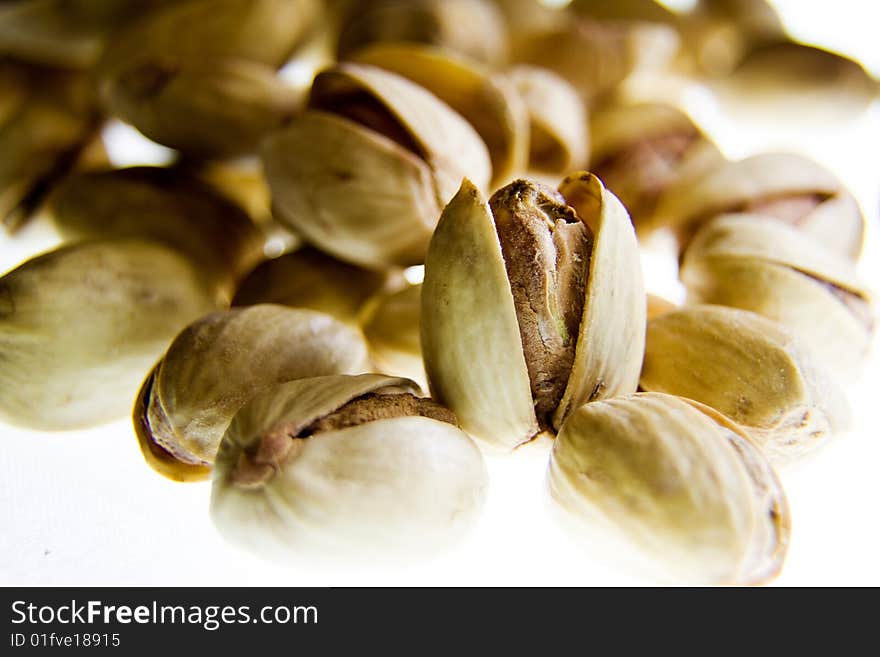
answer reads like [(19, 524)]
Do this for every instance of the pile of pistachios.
[(378, 136)]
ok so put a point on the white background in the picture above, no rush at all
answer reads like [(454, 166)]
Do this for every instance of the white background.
[(82, 508)]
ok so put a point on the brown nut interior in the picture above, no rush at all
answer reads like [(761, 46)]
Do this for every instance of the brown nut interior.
[(547, 251)]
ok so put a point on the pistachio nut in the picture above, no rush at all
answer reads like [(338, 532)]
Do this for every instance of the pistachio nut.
[(264, 31), (205, 108), (648, 11), (241, 181), (789, 187), (79, 327), (391, 324), (165, 205), (672, 481), (659, 306), (217, 363), (558, 139), (532, 304), (346, 467), (487, 100), (596, 56), (446, 24), (364, 172), (641, 149), (766, 266), (49, 125), (308, 278), (749, 368)]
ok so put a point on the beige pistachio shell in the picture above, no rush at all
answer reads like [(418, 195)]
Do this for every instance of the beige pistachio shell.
[(258, 30), (391, 323), (240, 180), (624, 10), (469, 333), (220, 361), (595, 57), (471, 341), (445, 24), (385, 489), (757, 184), (204, 108), (410, 114), (558, 139), (749, 368), (488, 101), (166, 205), (308, 278), (350, 191), (659, 306), (765, 266), (81, 325), (682, 486)]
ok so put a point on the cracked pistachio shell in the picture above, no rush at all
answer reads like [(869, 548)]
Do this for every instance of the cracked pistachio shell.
[(218, 362), (391, 323), (445, 24), (674, 482), (787, 186), (308, 278), (558, 139), (765, 266), (749, 368), (641, 149), (489, 101), (79, 327), (160, 204), (471, 340), (204, 108), (363, 174), (384, 488), (264, 31)]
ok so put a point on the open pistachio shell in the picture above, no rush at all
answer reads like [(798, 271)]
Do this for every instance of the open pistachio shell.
[(220, 361), (165, 205), (81, 325), (351, 191), (383, 484), (391, 323), (786, 186), (759, 264), (472, 340), (675, 481), (204, 108), (427, 125), (641, 149), (488, 101), (749, 368), (558, 139), (446, 24)]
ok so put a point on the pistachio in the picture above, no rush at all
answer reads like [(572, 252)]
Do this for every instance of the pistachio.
[(532, 304), (488, 101), (391, 324), (558, 140), (668, 479), (641, 149), (789, 187), (165, 205), (594, 56), (217, 363), (346, 467), (204, 108), (766, 266), (749, 368), (308, 278), (659, 306), (446, 24), (81, 325), (362, 174)]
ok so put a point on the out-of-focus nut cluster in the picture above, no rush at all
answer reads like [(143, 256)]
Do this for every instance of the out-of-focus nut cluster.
[(327, 157)]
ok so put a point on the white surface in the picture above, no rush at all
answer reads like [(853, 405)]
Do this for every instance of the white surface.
[(82, 508)]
